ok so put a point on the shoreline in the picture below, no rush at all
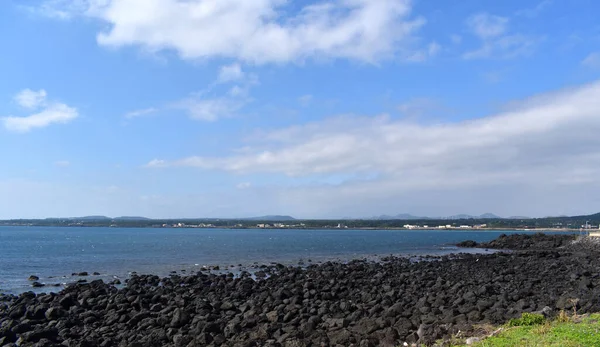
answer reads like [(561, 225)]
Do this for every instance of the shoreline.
[(54, 283), (358, 303), (532, 230)]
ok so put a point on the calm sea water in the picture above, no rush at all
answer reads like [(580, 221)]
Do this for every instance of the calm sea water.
[(54, 253)]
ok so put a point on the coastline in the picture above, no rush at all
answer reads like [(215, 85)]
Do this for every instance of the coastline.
[(532, 230), (360, 303)]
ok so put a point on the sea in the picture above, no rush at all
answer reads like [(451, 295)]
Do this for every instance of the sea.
[(54, 253)]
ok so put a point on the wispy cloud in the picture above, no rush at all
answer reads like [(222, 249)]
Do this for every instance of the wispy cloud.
[(456, 39), (210, 109), (61, 9), (140, 113), (419, 107), (496, 41), (264, 31), (592, 61), (305, 100), (48, 112), (244, 185), (229, 73), (534, 11)]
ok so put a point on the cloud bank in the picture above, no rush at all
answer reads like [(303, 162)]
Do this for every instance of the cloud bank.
[(550, 138)]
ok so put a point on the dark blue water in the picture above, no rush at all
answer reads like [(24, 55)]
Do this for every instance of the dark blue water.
[(57, 252)]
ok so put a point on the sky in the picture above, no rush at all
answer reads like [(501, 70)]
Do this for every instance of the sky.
[(315, 109)]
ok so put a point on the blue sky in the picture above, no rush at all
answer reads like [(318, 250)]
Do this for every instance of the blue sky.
[(316, 109)]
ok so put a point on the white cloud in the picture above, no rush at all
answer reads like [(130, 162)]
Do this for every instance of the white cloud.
[(50, 113), (549, 139), (495, 38), (31, 99), (230, 73), (140, 113), (260, 31), (592, 61)]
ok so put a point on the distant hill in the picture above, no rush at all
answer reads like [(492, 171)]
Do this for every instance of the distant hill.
[(489, 216), (89, 218), (459, 216), (406, 216), (275, 218), (468, 216), (128, 218), (519, 217), (401, 216)]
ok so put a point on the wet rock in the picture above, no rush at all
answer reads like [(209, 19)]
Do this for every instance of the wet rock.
[(467, 244)]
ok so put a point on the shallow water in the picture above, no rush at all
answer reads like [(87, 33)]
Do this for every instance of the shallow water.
[(54, 253)]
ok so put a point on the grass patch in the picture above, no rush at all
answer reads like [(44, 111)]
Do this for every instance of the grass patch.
[(527, 319), (579, 331)]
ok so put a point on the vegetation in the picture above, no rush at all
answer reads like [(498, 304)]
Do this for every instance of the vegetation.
[(533, 330), (527, 319)]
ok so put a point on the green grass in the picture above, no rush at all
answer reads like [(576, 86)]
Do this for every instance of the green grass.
[(582, 331)]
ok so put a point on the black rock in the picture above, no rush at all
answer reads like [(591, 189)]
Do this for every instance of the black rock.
[(467, 244)]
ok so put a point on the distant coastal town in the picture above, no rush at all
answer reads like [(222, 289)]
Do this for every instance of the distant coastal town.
[(563, 223)]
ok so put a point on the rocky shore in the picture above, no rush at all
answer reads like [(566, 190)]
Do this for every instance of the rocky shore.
[(359, 303)]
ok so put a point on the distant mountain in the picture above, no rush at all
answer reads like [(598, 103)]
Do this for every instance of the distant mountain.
[(519, 217), (489, 216), (128, 218), (92, 218), (459, 216), (406, 216), (275, 218), (468, 216), (401, 216)]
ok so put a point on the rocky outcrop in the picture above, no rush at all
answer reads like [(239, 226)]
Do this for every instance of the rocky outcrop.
[(537, 241)]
